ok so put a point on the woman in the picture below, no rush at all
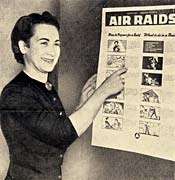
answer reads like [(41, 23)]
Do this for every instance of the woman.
[(34, 122)]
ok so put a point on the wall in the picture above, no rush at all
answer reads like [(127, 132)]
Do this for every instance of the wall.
[(80, 23), (10, 11)]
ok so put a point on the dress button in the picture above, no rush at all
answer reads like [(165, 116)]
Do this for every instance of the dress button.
[(61, 155), (54, 98), (48, 86), (59, 177), (61, 113)]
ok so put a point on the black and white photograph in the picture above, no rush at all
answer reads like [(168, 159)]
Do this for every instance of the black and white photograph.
[(78, 81), (151, 79), (152, 62), (153, 47)]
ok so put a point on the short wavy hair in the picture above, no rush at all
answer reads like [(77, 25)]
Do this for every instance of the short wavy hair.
[(23, 30)]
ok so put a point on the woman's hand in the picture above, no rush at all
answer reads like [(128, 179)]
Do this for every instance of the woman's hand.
[(111, 85), (92, 99), (88, 89), (114, 83)]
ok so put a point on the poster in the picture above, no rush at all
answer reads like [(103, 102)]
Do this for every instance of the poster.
[(141, 118)]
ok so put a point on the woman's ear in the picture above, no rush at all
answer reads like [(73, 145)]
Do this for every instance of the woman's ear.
[(22, 46)]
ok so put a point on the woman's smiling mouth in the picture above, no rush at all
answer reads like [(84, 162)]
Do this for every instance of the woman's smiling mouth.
[(48, 60)]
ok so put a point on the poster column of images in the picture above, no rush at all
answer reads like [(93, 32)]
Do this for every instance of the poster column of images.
[(113, 107), (152, 66)]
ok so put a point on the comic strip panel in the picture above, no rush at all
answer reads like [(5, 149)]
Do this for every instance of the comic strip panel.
[(111, 107), (150, 95), (114, 123), (150, 112), (151, 79), (153, 46), (117, 46), (115, 61), (149, 128), (152, 62)]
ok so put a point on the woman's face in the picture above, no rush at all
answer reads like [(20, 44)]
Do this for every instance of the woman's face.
[(44, 48)]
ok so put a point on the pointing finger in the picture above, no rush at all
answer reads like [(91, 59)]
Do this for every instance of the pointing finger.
[(121, 71)]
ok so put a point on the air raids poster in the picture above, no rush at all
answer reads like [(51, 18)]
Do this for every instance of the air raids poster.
[(141, 118)]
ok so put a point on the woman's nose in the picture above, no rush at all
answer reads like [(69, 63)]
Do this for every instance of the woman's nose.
[(50, 51)]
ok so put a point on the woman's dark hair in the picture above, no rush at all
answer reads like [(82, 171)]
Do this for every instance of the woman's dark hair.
[(23, 30)]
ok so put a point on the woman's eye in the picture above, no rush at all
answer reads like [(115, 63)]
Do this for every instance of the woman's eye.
[(44, 43), (57, 44)]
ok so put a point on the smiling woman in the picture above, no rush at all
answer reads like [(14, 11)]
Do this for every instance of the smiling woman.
[(43, 52), (34, 121)]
